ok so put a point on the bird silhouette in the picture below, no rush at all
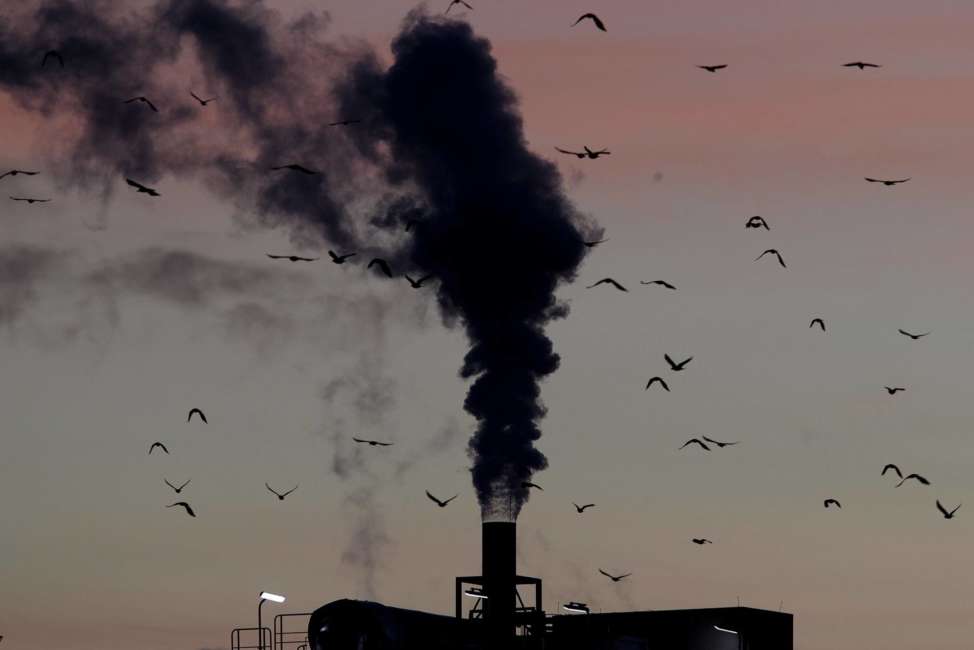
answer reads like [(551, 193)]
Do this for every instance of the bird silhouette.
[(442, 504), (820, 322), (700, 541), (757, 222), (720, 444), (662, 283), (417, 284), (831, 502), (28, 200), (892, 390), (528, 485), (913, 336), (944, 512), (891, 466), (614, 578), (340, 259), (457, 2), (916, 477), (185, 506), (141, 189), (677, 367), (18, 172), (292, 258), (383, 266), (887, 183), (594, 243), (295, 168), (179, 489), (657, 380), (774, 252), (712, 68), (144, 100), (861, 65), (197, 412), (595, 19), (588, 153), (52, 54), (203, 102), (373, 443), (581, 509), (696, 441), (608, 281), (344, 122), (280, 496), (159, 445)]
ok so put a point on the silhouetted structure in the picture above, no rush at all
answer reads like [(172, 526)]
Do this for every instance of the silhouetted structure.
[(500, 620)]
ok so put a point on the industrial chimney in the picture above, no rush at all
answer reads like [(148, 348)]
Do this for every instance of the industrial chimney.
[(499, 572)]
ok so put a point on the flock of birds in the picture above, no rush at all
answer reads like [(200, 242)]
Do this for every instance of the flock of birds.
[(704, 443)]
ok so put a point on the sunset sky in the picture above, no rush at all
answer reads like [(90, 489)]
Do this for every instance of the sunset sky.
[(101, 356)]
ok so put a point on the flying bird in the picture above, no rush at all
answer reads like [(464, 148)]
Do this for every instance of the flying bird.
[(203, 102), (142, 189), (528, 485), (144, 100), (662, 283), (27, 200), (442, 504), (891, 466), (15, 172), (417, 284), (913, 336), (657, 380), (677, 367), (757, 222), (340, 259), (197, 412), (614, 578), (373, 443), (892, 390), (159, 445), (295, 168), (608, 281), (712, 68), (943, 510), (457, 2), (820, 322), (917, 477), (347, 122), (862, 65), (581, 509), (696, 441), (52, 54), (292, 258), (278, 494), (701, 541), (887, 183), (177, 489), (383, 266), (720, 444), (832, 502), (588, 153), (774, 252), (594, 243), (185, 505), (590, 16)]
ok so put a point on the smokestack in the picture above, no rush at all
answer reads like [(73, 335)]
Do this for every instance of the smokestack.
[(499, 572)]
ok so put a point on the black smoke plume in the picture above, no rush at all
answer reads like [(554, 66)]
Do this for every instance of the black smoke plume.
[(441, 145)]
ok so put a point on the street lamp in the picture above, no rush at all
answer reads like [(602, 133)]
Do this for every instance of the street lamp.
[(740, 639), (474, 592), (264, 595), (578, 608)]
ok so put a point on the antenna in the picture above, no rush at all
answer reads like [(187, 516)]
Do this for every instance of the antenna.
[(738, 601), (780, 605)]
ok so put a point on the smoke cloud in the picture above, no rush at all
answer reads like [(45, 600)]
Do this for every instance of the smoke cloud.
[(441, 145)]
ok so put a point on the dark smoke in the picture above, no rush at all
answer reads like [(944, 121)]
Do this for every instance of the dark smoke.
[(441, 143)]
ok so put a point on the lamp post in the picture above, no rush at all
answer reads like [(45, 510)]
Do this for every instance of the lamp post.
[(260, 626)]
